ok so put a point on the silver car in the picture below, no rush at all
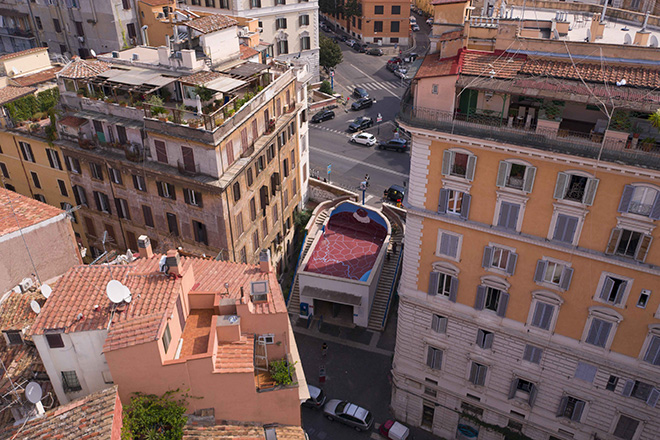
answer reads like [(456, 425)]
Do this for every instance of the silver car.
[(349, 414)]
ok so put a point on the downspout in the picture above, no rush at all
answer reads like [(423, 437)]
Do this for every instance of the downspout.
[(34, 24), (231, 232)]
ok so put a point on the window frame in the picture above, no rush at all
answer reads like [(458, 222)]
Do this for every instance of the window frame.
[(67, 377), (635, 433), (622, 297), (434, 358), (541, 271), (563, 181), (617, 235), (577, 411), (548, 299), (504, 175), (605, 315), (490, 251), (485, 288), (439, 324), (477, 374), (449, 162), (442, 241), (628, 195), (652, 339)]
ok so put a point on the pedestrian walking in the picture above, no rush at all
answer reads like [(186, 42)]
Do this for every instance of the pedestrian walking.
[(366, 180), (324, 349), (394, 247)]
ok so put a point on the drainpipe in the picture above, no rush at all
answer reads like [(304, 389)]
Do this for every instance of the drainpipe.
[(231, 232), (34, 24)]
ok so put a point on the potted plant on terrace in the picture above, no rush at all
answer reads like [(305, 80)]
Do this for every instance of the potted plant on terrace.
[(280, 371)]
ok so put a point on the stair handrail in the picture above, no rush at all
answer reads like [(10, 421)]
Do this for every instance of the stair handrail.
[(389, 297), (295, 269)]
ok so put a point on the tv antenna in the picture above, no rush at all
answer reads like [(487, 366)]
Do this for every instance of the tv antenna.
[(46, 290), (36, 308), (33, 392)]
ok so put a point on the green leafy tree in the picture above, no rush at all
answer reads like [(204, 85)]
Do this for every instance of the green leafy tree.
[(328, 6), (655, 119), (329, 53), (350, 9), (205, 94), (325, 88), (151, 417)]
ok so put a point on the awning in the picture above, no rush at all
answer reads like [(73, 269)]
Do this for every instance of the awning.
[(246, 70), (224, 84), (332, 296)]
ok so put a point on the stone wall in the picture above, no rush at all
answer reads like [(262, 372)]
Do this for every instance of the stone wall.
[(320, 191)]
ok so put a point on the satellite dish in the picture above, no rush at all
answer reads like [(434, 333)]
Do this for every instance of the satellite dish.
[(92, 52), (115, 291), (627, 39), (33, 392), (36, 308), (46, 290), (654, 41), (127, 294)]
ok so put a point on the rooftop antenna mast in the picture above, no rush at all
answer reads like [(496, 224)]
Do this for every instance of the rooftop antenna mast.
[(602, 15)]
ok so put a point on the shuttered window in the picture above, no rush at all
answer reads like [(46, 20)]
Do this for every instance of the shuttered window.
[(172, 224), (485, 339), (542, 317), (532, 354), (640, 200), (652, 355), (454, 202), (630, 244), (439, 324), (613, 290), (490, 298), (448, 245), (586, 372), (148, 216), (459, 164), (478, 374), (565, 227), (626, 428), (434, 358), (599, 331), (188, 159), (508, 217), (570, 408), (576, 188), (444, 285), (161, 151), (516, 176), (499, 258), (551, 272)]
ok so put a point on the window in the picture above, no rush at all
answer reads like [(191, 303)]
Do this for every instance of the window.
[(625, 428), (62, 186), (285, 168), (454, 202), (428, 414), (478, 374), (70, 382), (253, 209), (305, 43), (612, 290), (394, 26), (303, 20), (209, 3), (5, 171), (379, 10), (161, 151), (524, 389), (193, 197), (434, 89), (26, 151), (249, 177), (255, 241), (444, 285), (126, 4), (449, 245), (172, 224), (499, 258), (102, 202), (516, 176), (643, 298), (40, 25), (492, 299), (600, 327), (188, 156), (166, 190), (72, 164), (586, 372), (434, 358), (167, 338), (285, 198), (275, 213), (139, 183), (611, 383), (239, 224), (122, 209), (532, 354), (458, 164), (79, 28), (58, 27), (652, 355), (553, 273), (396, 10), (53, 159), (255, 4), (199, 231), (115, 176), (576, 188), (35, 179), (121, 134), (13, 337), (264, 227), (40, 197), (280, 23), (242, 255), (543, 314), (280, 2), (270, 153), (628, 243), (89, 226), (642, 391), (131, 240), (485, 339), (96, 170), (282, 47), (237, 191), (111, 232), (439, 324), (570, 408), (565, 227), (640, 200), (378, 26), (54, 340), (508, 217), (148, 216)]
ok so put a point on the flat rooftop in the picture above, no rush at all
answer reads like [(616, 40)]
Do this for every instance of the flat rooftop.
[(349, 244)]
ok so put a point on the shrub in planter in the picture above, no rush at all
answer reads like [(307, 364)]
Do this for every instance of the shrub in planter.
[(325, 88), (280, 371)]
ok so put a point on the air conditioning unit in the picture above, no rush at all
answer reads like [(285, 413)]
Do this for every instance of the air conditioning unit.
[(115, 54), (26, 284), (135, 57)]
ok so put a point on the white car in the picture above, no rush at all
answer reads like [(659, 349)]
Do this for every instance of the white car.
[(401, 73), (367, 139)]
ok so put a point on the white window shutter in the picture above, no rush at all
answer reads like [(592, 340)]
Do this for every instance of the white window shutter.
[(561, 185), (471, 167), (590, 191), (528, 184), (503, 173), (447, 159)]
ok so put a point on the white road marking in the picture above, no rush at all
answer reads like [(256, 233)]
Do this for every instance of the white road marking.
[(356, 161)]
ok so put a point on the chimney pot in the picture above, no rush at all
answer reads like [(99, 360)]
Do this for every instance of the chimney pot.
[(264, 261), (144, 247), (173, 261)]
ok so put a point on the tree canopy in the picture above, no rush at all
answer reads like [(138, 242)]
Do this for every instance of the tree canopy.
[(329, 53), (149, 417)]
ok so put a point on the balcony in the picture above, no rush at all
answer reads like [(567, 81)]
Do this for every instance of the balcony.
[(612, 145)]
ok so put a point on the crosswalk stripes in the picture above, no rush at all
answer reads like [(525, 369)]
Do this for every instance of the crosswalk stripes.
[(384, 85)]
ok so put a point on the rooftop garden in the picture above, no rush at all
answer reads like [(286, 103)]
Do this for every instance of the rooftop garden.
[(36, 113)]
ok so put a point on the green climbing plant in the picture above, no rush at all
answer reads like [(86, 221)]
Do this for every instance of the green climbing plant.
[(149, 417)]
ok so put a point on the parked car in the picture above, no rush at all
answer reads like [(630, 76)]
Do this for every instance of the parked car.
[(401, 73), (360, 124), (395, 193), (413, 20), (367, 139), (360, 93), (415, 27), (362, 103), (394, 60), (395, 144), (375, 52), (350, 43), (349, 414), (360, 47), (392, 67), (323, 115), (316, 399), (429, 21), (394, 430)]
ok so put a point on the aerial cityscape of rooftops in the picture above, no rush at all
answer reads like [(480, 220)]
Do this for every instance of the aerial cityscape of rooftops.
[(254, 220)]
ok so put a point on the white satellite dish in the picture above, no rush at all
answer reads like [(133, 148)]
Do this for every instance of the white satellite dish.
[(127, 295), (654, 41), (33, 392), (93, 52), (36, 308), (588, 34), (46, 290), (627, 39), (115, 291)]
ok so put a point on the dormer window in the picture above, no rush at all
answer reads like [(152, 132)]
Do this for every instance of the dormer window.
[(259, 291)]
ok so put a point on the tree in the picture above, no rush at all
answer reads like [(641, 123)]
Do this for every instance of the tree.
[(350, 9), (150, 417), (328, 6), (329, 53), (326, 88), (655, 119)]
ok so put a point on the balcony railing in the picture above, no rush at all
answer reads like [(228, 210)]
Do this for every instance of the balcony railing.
[(563, 141)]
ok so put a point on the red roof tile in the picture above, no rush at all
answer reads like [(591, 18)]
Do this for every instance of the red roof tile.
[(15, 311), (18, 211), (10, 93), (434, 66), (37, 78), (202, 77), (447, 2), (236, 357), (241, 432), (489, 64), (79, 68), (22, 52), (211, 23), (79, 301), (90, 417), (72, 121), (247, 52)]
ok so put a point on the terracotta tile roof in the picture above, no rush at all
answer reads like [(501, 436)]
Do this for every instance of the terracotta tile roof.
[(10, 93), (483, 63), (290, 433), (635, 76), (447, 2), (22, 52), (435, 66), (15, 311), (201, 77), (211, 23), (90, 417), (72, 121), (79, 301), (37, 78), (17, 211), (236, 357), (247, 52), (240, 432), (79, 68)]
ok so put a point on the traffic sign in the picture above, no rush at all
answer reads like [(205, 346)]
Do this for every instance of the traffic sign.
[(379, 118), (332, 73), (329, 168)]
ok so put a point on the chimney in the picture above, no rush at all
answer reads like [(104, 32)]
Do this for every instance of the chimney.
[(642, 38), (173, 261), (144, 247), (264, 261), (597, 27), (164, 55)]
